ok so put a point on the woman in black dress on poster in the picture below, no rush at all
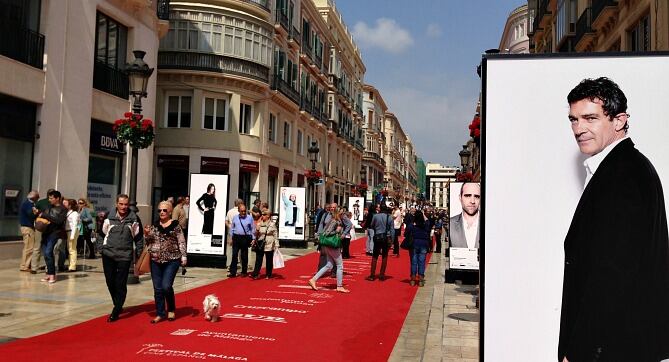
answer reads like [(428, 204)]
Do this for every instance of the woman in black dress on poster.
[(207, 204)]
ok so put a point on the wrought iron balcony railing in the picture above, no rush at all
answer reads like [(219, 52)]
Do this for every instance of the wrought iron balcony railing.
[(110, 80), (285, 88), (212, 63), (282, 18), (583, 25), (23, 45), (599, 5)]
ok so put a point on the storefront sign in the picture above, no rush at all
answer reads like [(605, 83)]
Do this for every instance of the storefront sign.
[(173, 161), (249, 166), (106, 143), (214, 165)]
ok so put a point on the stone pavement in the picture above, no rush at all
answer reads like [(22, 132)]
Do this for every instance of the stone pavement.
[(442, 324)]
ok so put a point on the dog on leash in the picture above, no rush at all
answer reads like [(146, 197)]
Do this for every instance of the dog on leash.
[(211, 307)]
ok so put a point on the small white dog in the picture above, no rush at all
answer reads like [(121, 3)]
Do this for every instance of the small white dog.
[(211, 307)]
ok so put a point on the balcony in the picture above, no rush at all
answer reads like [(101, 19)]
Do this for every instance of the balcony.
[(542, 10), (263, 4), (602, 11), (212, 63), (294, 37), (282, 19), (110, 80), (305, 105), (23, 45), (285, 88), (163, 9), (584, 32), (334, 81)]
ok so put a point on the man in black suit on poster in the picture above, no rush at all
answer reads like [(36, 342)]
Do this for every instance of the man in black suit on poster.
[(615, 298)]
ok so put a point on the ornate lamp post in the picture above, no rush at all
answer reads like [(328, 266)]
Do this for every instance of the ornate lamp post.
[(313, 157), (363, 182), (138, 73), (464, 158)]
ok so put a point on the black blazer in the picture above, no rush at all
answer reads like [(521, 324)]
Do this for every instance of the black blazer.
[(615, 298)]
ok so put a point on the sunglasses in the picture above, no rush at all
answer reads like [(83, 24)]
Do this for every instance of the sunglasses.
[(162, 210)]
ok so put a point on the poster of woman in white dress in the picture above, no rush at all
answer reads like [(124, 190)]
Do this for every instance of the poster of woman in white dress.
[(291, 215), (356, 205), (206, 219)]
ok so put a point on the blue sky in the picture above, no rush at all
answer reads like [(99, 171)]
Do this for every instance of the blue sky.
[(422, 56)]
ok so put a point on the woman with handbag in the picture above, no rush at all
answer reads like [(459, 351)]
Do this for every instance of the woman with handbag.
[(86, 228), (330, 242), (265, 244), (420, 230), (167, 246)]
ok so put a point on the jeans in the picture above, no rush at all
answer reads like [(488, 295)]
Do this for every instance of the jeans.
[(369, 246), (162, 275), (116, 276), (269, 255), (240, 243), (334, 258), (418, 261), (47, 251)]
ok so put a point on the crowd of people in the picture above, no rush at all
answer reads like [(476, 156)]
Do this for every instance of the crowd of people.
[(69, 228)]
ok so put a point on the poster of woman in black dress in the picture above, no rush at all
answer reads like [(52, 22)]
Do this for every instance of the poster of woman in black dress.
[(207, 204)]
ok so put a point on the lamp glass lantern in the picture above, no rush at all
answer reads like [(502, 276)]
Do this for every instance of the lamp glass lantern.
[(313, 154), (138, 76), (464, 157)]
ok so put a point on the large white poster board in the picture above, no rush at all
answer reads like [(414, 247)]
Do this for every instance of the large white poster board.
[(533, 178), (291, 213), (206, 215), (356, 205), (463, 254)]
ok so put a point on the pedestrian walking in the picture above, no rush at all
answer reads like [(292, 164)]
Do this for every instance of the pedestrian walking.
[(27, 215), (86, 229), (56, 214), (265, 245), (382, 223), (330, 243), (420, 231), (68, 249), (243, 234)]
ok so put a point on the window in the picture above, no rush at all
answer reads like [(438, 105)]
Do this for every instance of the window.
[(300, 146), (271, 134), (286, 135), (214, 115), (178, 111), (245, 118), (640, 36), (110, 42), (566, 19)]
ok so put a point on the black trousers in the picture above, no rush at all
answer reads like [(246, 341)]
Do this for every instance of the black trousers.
[(269, 255), (116, 276), (240, 245), (437, 239), (345, 245)]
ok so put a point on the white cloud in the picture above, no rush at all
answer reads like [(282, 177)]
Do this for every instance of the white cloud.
[(436, 123), (386, 35), (433, 30)]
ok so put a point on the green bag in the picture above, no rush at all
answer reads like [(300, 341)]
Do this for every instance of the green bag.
[(332, 241)]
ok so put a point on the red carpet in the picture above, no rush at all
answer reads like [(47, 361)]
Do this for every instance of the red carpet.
[(279, 320)]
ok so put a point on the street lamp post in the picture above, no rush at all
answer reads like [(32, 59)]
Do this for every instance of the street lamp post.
[(464, 158), (363, 181), (313, 157), (138, 75)]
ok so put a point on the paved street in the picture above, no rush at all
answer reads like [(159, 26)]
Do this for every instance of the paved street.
[(442, 324)]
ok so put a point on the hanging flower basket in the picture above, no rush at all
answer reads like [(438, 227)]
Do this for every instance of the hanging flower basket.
[(464, 177), (475, 129), (313, 175), (134, 130)]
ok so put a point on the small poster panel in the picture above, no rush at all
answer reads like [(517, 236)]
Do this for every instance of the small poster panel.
[(206, 215), (356, 205), (291, 213), (465, 202)]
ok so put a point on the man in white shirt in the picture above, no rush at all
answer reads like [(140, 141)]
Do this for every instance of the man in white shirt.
[(464, 227), (397, 225), (230, 215)]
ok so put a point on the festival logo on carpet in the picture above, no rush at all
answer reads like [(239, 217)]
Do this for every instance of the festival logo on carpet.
[(183, 332), (254, 317), (240, 306), (155, 349)]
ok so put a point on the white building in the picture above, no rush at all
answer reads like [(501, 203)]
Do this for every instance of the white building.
[(437, 181)]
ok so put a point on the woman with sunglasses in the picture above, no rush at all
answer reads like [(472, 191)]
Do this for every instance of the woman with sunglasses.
[(167, 247)]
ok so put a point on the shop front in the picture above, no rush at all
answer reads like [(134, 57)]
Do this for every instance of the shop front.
[(248, 173), (17, 134), (173, 174), (105, 162)]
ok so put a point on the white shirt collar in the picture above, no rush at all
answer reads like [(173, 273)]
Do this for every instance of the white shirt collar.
[(591, 164)]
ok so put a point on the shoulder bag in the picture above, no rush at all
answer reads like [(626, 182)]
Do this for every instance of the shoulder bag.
[(259, 246), (142, 265), (332, 241)]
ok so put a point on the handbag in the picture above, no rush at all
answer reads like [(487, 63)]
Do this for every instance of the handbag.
[(41, 224), (332, 241), (407, 243), (277, 261), (259, 246), (142, 265)]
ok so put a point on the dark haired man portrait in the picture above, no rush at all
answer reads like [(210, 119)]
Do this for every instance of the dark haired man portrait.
[(615, 298)]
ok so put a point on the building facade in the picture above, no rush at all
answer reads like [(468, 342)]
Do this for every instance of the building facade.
[(63, 87), (514, 36), (245, 87), (374, 109), (598, 25), (437, 180)]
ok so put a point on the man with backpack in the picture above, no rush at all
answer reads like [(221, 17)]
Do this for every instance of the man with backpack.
[(384, 232)]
